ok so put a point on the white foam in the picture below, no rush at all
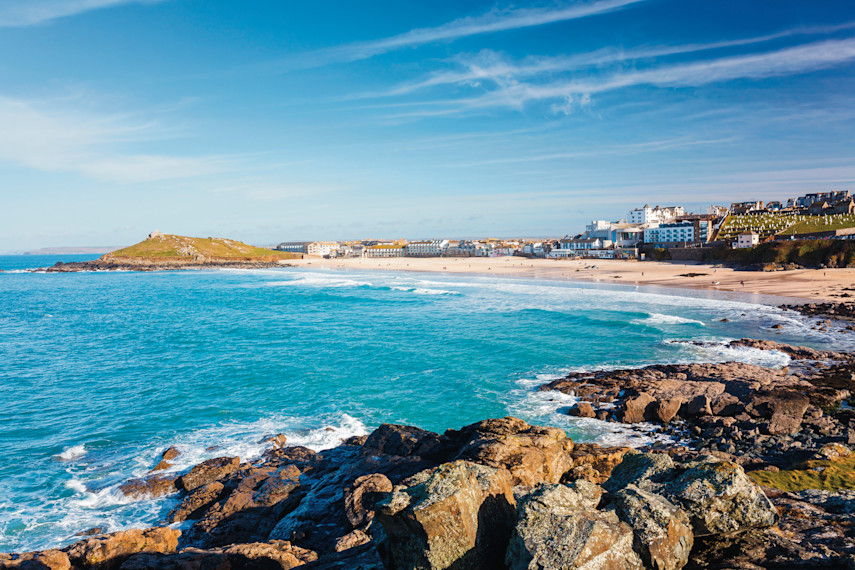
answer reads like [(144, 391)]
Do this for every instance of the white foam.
[(71, 453), (424, 290), (662, 319)]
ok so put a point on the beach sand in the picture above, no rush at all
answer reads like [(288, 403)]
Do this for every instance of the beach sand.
[(803, 284)]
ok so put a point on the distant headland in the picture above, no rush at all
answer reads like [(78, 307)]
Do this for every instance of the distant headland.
[(160, 252)]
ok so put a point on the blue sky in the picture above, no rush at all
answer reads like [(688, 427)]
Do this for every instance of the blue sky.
[(271, 121)]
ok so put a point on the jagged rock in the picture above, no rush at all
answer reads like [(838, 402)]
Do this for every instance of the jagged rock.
[(351, 540), (194, 504), (362, 557), (558, 528), (593, 462), (457, 515), (152, 486), (644, 470), (531, 454), (43, 560), (170, 453), (271, 555), (667, 409), (208, 472), (582, 410), (109, 551), (360, 497), (663, 533), (699, 406), (162, 466), (393, 439), (784, 408), (635, 408), (277, 486)]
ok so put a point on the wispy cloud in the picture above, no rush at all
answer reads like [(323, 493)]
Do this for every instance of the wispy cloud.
[(507, 90), (53, 139), (21, 13), (494, 21)]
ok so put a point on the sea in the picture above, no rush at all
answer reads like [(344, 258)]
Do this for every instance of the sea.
[(101, 371)]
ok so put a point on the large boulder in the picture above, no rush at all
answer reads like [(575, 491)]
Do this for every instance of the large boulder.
[(194, 505), (638, 408), (458, 515), (208, 472), (720, 498), (109, 551), (717, 495), (531, 454), (663, 533), (392, 439), (558, 527)]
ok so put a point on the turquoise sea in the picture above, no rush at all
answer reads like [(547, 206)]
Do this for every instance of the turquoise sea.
[(102, 371)]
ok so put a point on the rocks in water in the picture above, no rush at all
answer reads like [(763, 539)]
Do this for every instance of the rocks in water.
[(152, 486), (635, 408), (582, 410), (457, 515), (194, 504), (208, 472), (170, 453), (558, 527), (109, 551), (392, 439), (663, 533)]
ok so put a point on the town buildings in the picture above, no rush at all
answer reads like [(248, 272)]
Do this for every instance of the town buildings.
[(655, 215), (747, 239), (322, 248), (427, 248)]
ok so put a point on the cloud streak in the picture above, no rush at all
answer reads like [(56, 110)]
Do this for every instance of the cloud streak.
[(67, 141), (509, 91), (23, 13), (491, 22)]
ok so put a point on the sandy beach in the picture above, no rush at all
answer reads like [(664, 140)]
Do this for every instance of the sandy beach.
[(804, 284)]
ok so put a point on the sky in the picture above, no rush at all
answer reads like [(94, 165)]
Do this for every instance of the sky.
[(271, 121)]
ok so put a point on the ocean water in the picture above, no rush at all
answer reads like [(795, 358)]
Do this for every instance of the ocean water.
[(102, 371)]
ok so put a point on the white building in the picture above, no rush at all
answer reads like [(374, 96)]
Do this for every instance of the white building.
[(595, 247), (747, 239), (384, 250), (676, 232), (322, 248), (656, 215), (427, 248), (628, 236)]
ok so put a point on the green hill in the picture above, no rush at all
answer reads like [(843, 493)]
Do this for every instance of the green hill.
[(165, 247)]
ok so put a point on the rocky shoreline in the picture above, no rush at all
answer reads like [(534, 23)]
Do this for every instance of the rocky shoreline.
[(758, 473)]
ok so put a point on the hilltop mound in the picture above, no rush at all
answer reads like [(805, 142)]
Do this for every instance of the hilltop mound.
[(165, 252)]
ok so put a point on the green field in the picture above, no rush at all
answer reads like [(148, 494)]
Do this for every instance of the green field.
[(180, 247), (821, 224)]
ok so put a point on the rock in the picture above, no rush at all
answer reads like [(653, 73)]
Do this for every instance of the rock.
[(352, 540), (582, 410), (558, 528), (720, 498), (91, 531), (402, 440), (208, 472), (832, 452), (44, 560), (725, 405), (785, 408), (635, 408), (717, 495), (663, 533), (194, 504), (531, 454), (162, 466), (645, 470), (277, 486), (170, 453), (457, 515), (666, 410), (109, 551), (152, 486), (699, 406), (276, 554), (359, 498), (593, 462), (277, 441)]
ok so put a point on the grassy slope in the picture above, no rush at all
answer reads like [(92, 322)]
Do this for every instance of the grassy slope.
[(772, 223), (827, 475), (171, 247)]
